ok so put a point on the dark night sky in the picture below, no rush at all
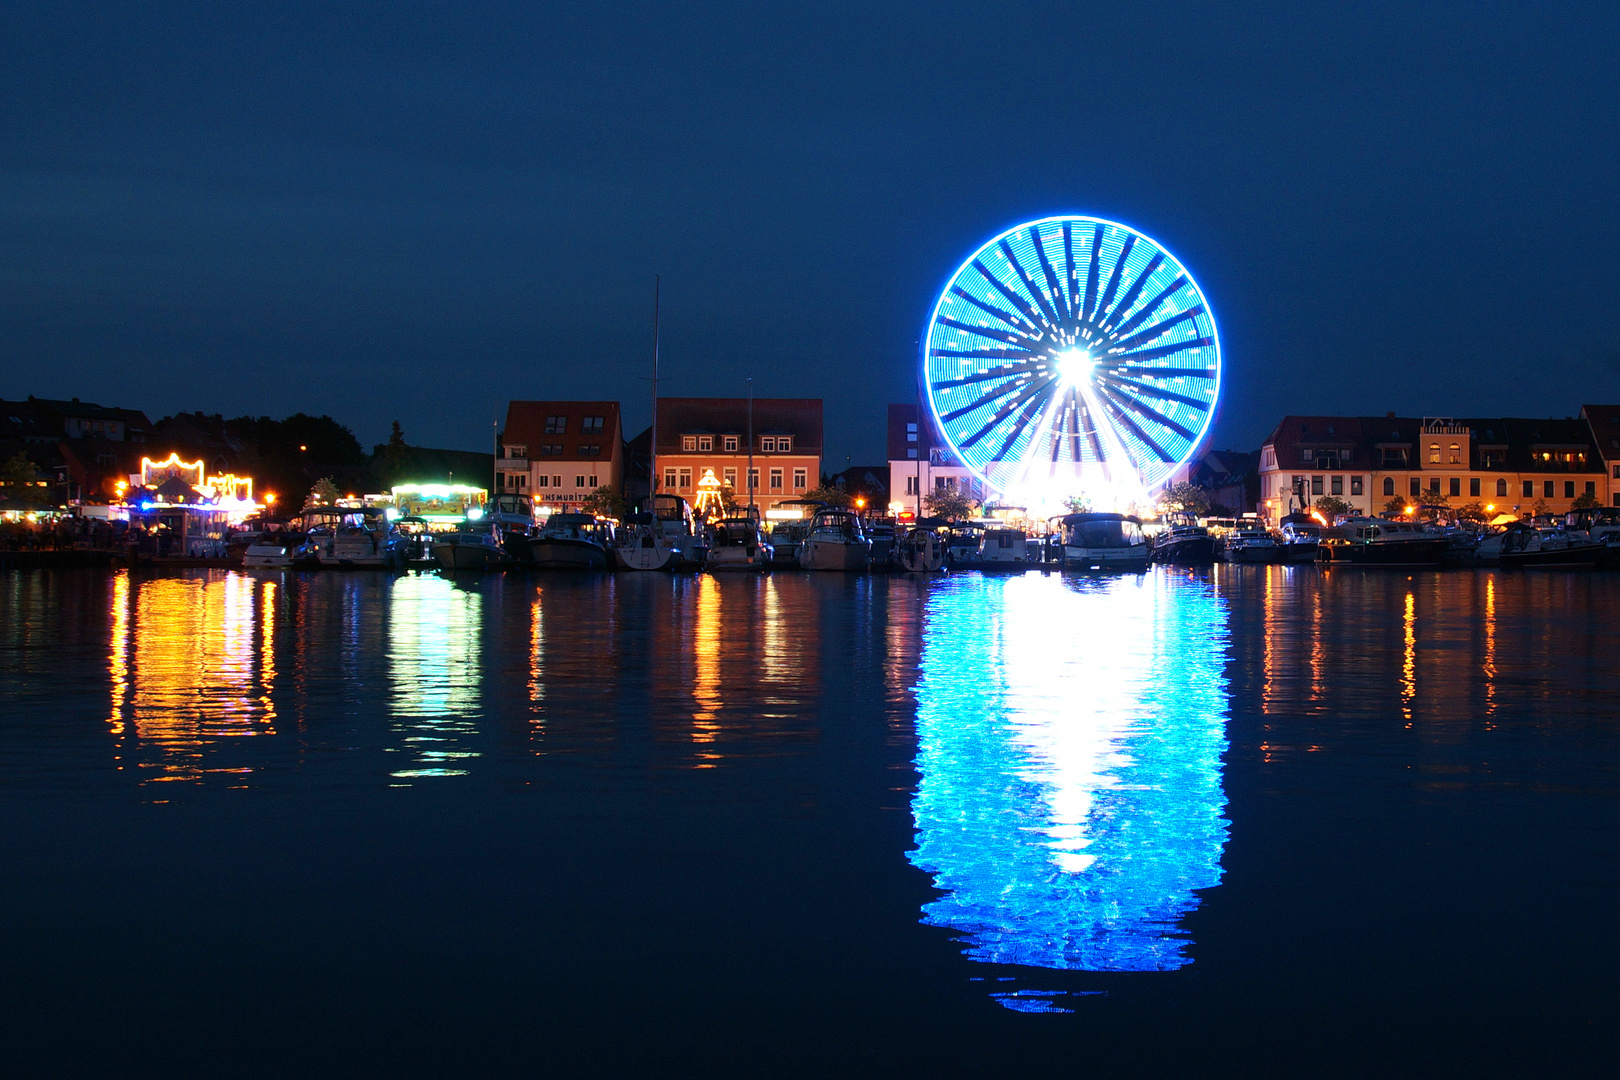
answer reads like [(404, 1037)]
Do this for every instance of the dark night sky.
[(420, 211)]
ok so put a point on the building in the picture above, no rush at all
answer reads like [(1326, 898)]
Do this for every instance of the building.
[(921, 461), (1505, 464), (1604, 420), (83, 448), (698, 435), (559, 452)]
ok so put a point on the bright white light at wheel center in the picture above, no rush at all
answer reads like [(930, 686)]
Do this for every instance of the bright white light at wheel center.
[(1074, 366)]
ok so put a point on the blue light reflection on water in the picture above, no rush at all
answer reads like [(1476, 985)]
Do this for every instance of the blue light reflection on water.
[(1070, 734)]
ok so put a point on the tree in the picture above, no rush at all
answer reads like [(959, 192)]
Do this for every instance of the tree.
[(605, 502), (1585, 501), (1436, 498), (728, 498), (396, 437), (1185, 498), (1330, 506), (948, 503), (19, 479), (1541, 506), (322, 493), (830, 495), (1077, 504), (1473, 511), (1397, 505)]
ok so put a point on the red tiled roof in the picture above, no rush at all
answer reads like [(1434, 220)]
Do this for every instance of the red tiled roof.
[(798, 417), (526, 426), (1605, 422)]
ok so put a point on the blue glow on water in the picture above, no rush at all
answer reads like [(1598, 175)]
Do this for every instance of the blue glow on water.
[(1070, 735)]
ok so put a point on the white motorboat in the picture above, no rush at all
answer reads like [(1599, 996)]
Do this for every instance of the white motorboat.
[(364, 540), (837, 541), (642, 546), (319, 525), (271, 544), (1251, 545), (1001, 550), (472, 547), (739, 544), (572, 542), (1301, 540), (1527, 547), (920, 551), (672, 517), (1104, 542), (513, 516)]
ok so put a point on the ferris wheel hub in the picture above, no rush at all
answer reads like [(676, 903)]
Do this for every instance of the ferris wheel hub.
[(1075, 366)]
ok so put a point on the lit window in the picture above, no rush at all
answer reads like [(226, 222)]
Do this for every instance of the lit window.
[(911, 433), (1456, 454), (1434, 453), (1355, 485)]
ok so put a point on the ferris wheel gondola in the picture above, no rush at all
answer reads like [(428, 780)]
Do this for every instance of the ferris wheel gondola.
[(1074, 354)]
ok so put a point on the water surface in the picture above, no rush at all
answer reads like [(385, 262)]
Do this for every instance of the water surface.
[(1269, 820)]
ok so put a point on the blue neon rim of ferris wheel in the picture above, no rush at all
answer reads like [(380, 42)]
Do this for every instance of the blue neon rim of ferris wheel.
[(998, 346)]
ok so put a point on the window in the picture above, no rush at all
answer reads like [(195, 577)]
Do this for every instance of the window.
[(941, 483), (767, 445), (776, 479), (686, 479), (911, 433), (1328, 459), (542, 481), (1547, 489), (591, 425), (1591, 487), (669, 479), (516, 482), (1569, 489), (1355, 485), (1455, 486), (1337, 487), (1529, 489), (1415, 489), (1434, 485), (706, 443), (801, 478), (1434, 453), (1501, 489), (1617, 472), (1473, 486), (730, 444), (689, 443), (590, 450), (593, 484), (551, 450), (556, 481), (911, 483), (1456, 454), (1268, 457), (556, 425), (1617, 498), (728, 477), (911, 451), (517, 452), (1395, 457), (784, 444), (1316, 485), (1492, 458), (753, 479), (1307, 456), (579, 481)]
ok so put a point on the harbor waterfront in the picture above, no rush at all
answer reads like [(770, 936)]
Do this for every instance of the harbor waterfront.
[(1272, 819)]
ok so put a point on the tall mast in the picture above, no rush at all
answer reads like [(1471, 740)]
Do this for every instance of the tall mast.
[(652, 432), (753, 510)]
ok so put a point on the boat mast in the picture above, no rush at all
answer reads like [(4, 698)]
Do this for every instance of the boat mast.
[(753, 510), (652, 432)]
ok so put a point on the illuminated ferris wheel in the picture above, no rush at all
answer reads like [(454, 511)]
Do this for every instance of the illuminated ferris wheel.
[(1072, 353)]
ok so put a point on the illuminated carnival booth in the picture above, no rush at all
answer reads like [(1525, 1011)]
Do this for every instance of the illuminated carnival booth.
[(1072, 356), (189, 512)]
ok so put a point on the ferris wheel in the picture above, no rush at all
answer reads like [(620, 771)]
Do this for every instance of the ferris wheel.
[(1072, 353)]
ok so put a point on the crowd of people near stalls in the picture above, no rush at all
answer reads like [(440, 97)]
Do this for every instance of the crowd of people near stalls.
[(68, 532)]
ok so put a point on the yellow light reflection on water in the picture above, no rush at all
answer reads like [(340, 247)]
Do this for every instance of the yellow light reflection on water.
[(191, 662), (706, 664), (1409, 658)]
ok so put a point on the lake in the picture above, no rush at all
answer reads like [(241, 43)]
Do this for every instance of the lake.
[(1266, 821)]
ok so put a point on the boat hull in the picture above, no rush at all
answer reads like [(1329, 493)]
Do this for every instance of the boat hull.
[(829, 555), (1295, 554), (551, 553), (1575, 557), (1124, 560), (646, 556), (1397, 554), (1194, 551), (454, 556)]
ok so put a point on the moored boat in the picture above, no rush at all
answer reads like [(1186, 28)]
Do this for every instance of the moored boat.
[(640, 545), (837, 541), (739, 544), (1300, 541), (1377, 542), (1250, 545), (473, 547), (1001, 550), (1526, 547), (571, 541), (1184, 543), (1105, 542), (920, 551)]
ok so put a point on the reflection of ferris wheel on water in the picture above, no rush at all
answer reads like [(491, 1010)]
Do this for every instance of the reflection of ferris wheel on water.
[(1072, 353)]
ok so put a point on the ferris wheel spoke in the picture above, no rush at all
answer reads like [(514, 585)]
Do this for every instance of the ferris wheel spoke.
[(1001, 372), (1007, 409), (1136, 429), (1071, 279), (1042, 301), (984, 399), (1134, 290), (1115, 275), (1013, 298), (1159, 329), (1165, 372), (1154, 391), (1093, 273), (1148, 412), (987, 354), (993, 333), (1016, 429), (990, 309), (1059, 298), (1147, 310), (1158, 352)]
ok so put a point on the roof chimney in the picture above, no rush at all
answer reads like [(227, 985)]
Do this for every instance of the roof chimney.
[(1390, 415)]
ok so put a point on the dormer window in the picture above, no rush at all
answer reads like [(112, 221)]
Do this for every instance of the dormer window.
[(556, 425), (517, 452), (591, 425), (706, 443), (784, 443), (689, 443), (768, 445)]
